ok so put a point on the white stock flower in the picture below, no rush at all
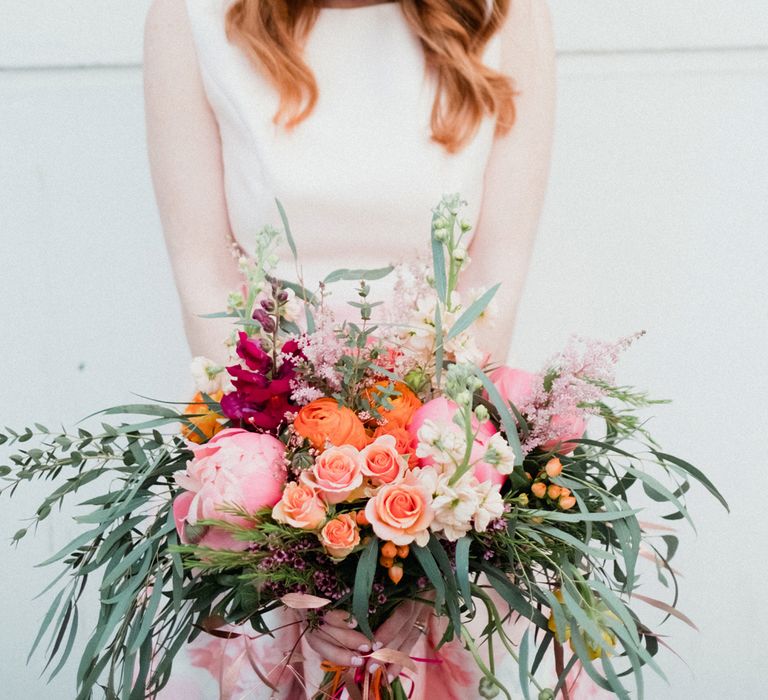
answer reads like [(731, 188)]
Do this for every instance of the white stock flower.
[(293, 310), (442, 443), (499, 454), (490, 506), (455, 506), (464, 349), (209, 377)]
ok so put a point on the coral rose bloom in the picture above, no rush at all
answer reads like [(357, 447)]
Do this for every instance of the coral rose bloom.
[(401, 512), (337, 473), (340, 536), (301, 506), (404, 405), (324, 420), (381, 461), (403, 442)]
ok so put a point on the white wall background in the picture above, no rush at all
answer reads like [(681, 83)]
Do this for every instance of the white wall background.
[(657, 218)]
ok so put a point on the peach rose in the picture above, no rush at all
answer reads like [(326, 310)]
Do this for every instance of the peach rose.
[(404, 404), (381, 461), (340, 536), (201, 417), (337, 473), (401, 512), (323, 420), (301, 506), (403, 441)]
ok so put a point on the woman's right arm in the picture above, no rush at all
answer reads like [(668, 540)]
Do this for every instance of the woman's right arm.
[(187, 172)]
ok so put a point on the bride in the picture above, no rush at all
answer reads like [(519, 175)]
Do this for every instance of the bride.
[(358, 116)]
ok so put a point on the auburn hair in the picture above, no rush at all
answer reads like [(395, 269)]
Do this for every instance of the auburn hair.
[(453, 34)]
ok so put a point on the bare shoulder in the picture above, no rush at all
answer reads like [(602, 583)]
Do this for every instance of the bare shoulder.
[(167, 28), (528, 26)]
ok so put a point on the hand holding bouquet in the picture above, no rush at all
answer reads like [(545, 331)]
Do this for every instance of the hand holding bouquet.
[(375, 475)]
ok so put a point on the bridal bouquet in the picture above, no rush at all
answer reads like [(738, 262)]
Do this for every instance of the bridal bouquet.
[(356, 466)]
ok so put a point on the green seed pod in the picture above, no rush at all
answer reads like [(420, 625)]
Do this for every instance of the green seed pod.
[(487, 689)]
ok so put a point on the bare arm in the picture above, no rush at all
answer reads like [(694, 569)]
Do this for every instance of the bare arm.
[(517, 173), (185, 159)]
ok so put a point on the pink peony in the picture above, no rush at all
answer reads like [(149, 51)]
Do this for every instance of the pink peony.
[(235, 469), (442, 411), (565, 427), (515, 385)]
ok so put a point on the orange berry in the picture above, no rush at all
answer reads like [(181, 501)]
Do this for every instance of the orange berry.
[(539, 489), (403, 551), (564, 491), (389, 550), (554, 491), (553, 468), (396, 573), (360, 518), (567, 502), (387, 562)]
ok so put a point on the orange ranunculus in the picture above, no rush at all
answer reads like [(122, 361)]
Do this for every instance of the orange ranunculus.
[(404, 405), (324, 420), (403, 441), (206, 421)]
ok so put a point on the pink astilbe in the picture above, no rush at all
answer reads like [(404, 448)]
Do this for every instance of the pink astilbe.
[(565, 392), (322, 351)]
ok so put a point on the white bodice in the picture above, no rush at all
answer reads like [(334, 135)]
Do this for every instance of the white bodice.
[(360, 176)]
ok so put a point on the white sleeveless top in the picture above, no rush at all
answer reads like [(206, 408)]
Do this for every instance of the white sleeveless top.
[(359, 178)]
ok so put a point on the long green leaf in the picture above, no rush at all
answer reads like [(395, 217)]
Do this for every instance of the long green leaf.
[(438, 266), (466, 319), (507, 420), (432, 572), (522, 666), (361, 593), (46, 622), (287, 229), (462, 571), (695, 473), (357, 275)]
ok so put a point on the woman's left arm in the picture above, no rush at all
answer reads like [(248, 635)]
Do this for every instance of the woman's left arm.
[(517, 172)]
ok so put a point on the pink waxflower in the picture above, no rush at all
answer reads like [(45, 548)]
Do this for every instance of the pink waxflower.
[(235, 470)]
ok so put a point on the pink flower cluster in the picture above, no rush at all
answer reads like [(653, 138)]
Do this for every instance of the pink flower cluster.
[(236, 470), (557, 401)]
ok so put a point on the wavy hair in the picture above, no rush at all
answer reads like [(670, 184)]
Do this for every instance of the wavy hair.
[(453, 35)]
